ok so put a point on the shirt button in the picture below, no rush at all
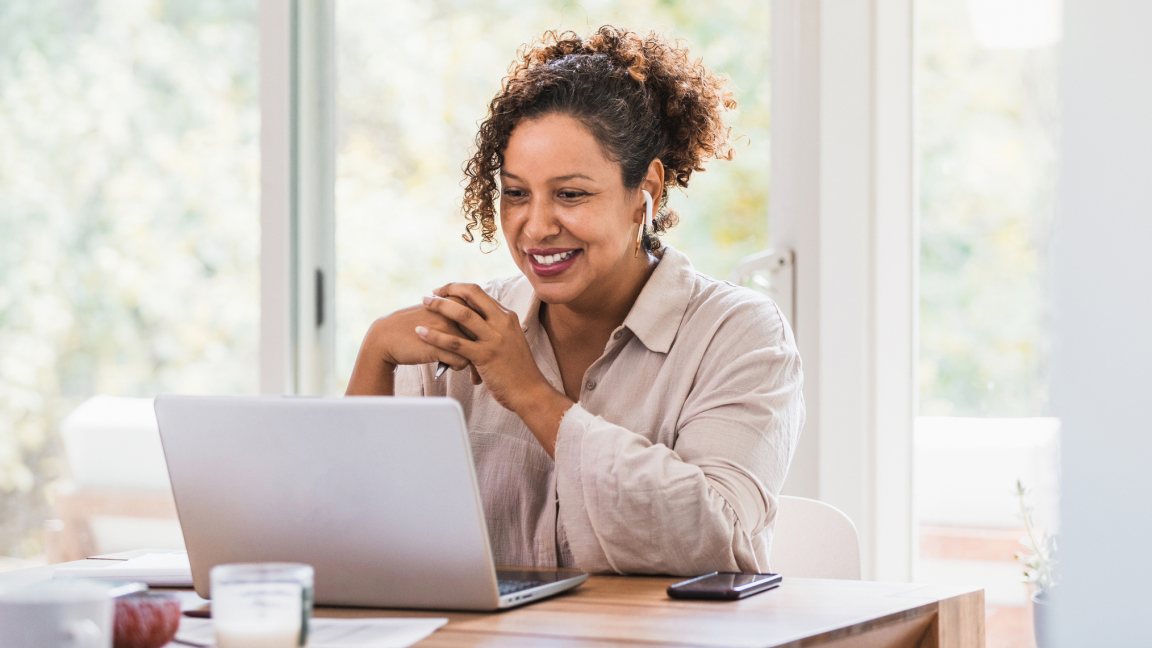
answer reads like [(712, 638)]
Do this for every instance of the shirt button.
[(617, 334), (590, 385)]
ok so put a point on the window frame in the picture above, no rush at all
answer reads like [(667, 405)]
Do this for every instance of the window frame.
[(297, 196), (844, 202)]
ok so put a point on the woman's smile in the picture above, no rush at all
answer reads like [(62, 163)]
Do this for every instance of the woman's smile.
[(551, 262)]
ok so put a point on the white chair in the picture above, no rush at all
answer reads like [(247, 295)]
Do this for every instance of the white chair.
[(118, 496), (814, 540)]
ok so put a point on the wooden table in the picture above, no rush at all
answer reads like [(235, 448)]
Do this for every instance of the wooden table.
[(635, 611)]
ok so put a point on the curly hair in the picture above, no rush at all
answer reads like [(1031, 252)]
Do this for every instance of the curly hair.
[(641, 98)]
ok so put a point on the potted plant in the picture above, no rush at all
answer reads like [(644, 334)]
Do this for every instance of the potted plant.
[(1038, 557)]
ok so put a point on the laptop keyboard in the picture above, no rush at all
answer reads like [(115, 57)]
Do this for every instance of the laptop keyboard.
[(511, 587)]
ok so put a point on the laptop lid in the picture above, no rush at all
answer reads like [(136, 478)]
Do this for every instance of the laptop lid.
[(378, 494)]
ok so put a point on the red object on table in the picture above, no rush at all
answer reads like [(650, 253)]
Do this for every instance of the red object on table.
[(146, 620)]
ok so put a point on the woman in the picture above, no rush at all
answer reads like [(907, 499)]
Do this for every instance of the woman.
[(626, 413)]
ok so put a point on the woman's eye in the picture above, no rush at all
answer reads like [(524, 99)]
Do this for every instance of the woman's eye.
[(514, 193), (572, 195)]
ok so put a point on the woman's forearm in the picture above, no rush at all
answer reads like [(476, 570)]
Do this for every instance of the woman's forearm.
[(541, 411)]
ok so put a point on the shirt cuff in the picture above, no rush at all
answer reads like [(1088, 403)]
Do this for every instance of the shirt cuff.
[(572, 427), (574, 515)]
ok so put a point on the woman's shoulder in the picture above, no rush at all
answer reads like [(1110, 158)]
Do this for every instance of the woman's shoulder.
[(694, 305), (736, 310)]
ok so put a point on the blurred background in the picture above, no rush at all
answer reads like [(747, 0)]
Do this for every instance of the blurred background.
[(130, 236)]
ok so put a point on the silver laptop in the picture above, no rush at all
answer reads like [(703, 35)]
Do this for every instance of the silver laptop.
[(378, 494)]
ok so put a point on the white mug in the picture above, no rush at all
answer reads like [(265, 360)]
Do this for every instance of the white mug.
[(57, 613)]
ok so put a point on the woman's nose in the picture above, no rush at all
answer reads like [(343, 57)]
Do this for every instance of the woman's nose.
[(540, 220)]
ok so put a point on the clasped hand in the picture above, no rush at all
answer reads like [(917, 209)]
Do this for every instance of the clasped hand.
[(459, 324), (486, 336)]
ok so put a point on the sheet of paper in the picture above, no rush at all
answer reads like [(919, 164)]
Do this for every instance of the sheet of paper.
[(163, 569), (135, 553), (331, 633)]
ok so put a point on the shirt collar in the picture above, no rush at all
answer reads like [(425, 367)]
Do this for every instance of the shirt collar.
[(523, 301), (655, 317)]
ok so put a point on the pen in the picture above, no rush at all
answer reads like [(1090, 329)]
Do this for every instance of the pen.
[(442, 366)]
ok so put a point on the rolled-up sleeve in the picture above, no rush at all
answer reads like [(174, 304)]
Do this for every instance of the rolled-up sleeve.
[(706, 501)]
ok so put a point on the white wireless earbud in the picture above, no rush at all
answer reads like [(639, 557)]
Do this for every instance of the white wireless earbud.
[(647, 209), (647, 224)]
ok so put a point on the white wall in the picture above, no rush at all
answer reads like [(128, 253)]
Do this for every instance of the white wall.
[(1102, 384)]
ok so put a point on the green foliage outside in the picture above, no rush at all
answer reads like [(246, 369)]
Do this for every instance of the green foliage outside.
[(128, 219), (986, 160)]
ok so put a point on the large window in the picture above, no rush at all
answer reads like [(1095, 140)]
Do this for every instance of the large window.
[(414, 80), (986, 162), (128, 225)]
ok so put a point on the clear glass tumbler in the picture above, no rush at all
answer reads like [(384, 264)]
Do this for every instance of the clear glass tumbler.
[(261, 605)]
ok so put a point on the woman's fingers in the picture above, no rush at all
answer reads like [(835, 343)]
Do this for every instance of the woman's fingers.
[(491, 311), (457, 362), (391, 341), (497, 349), (473, 296), (452, 345), (455, 309)]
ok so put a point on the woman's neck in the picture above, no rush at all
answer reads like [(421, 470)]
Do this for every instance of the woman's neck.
[(597, 320)]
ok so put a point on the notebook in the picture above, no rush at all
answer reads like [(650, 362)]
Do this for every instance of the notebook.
[(378, 494), (159, 568)]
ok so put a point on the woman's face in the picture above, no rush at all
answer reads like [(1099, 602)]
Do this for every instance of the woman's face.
[(569, 222)]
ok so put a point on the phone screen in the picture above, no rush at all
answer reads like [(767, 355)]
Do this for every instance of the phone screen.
[(724, 585)]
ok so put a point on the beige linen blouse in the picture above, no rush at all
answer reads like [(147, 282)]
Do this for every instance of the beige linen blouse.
[(673, 459)]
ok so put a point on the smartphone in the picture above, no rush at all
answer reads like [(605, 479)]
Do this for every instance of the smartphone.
[(724, 586)]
